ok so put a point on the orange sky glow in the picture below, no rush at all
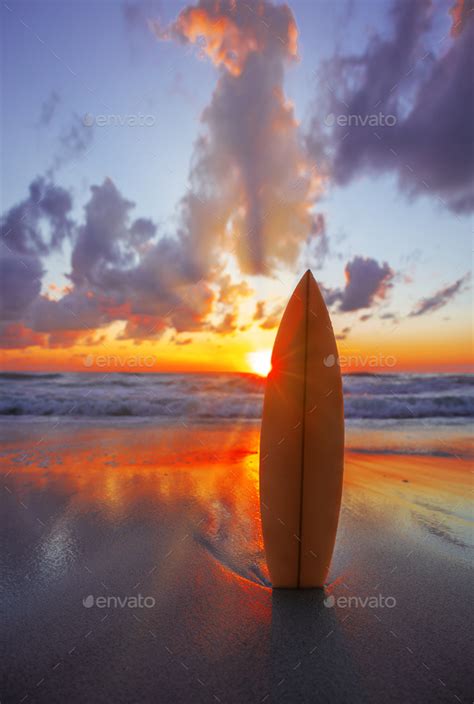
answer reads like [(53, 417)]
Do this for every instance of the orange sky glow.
[(377, 351)]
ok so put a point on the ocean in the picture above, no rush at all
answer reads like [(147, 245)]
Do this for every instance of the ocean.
[(401, 413)]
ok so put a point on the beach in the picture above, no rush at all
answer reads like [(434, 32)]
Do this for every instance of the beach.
[(133, 571)]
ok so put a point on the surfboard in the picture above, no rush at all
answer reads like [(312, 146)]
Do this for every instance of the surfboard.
[(302, 443)]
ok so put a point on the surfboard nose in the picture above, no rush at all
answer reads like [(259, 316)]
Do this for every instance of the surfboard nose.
[(308, 274)]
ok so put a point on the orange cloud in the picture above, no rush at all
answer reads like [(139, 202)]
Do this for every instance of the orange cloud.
[(459, 13), (231, 32), (18, 336)]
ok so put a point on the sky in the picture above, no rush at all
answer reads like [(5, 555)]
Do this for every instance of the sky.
[(170, 170)]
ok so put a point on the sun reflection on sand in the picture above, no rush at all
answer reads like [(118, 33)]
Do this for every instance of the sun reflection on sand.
[(204, 480), (210, 476)]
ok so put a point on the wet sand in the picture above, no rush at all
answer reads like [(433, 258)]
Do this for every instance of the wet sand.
[(95, 513)]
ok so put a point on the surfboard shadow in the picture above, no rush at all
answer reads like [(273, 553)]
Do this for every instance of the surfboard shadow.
[(310, 655)]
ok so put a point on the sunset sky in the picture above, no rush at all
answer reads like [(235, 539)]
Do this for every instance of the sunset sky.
[(170, 171)]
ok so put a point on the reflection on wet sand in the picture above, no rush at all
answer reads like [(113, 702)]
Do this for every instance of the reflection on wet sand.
[(201, 479), (412, 494), (173, 513), (205, 480)]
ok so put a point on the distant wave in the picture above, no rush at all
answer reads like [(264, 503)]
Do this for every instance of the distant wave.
[(398, 407), (137, 407), (225, 396), (25, 376)]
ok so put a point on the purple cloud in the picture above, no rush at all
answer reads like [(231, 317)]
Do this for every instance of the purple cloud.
[(440, 298), (427, 104), (366, 280)]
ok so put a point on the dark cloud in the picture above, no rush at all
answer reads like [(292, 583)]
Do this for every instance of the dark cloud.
[(105, 240), (40, 223), (366, 281), (133, 274), (441, 297), (32, 229), (429, 99), (121, 269), (153, 276), (20, 284), (78, 310), (48, 109)]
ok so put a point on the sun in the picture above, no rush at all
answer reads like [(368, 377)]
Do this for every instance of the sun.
[(260, 361)]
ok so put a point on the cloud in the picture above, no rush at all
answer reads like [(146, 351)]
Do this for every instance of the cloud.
[(427, 98), (22, 227), (252, 186), (252, 193), (137, 12), (343, 334), (196, 303), (20, 284), (32, 229), (77, 310), (460, 12), (227, 325), (259, 310), (366, 281), (18, 336), (273, 319), (270, 321), (440, 298), (230, 292), (48, 109), (121, 269), (182, 341), (74, 142), (105, 240), (139, 327)]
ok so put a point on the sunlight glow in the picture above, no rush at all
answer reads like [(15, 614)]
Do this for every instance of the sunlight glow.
[(260, 361)]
